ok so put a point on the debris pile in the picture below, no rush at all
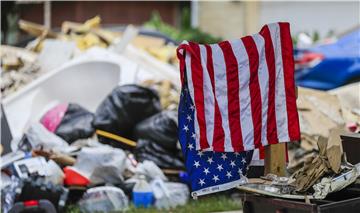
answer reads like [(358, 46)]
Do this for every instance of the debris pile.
[(100, 151), (117, 152), (324, 172), (19, 67), (319, 113)]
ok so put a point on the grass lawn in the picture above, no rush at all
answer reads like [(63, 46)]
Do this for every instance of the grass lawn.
[(213, 203)]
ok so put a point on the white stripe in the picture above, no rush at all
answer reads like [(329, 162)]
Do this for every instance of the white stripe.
[(246, 123), (218, 188), (208, 97), (192, 94), (263, 75), (280, 96), (256, 161), (221, 92)]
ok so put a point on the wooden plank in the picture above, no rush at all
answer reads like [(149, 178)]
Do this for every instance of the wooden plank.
[(275, 159)]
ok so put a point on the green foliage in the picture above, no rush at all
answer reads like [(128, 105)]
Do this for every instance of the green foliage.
[(186, 18), (186, 32), (315, 36)]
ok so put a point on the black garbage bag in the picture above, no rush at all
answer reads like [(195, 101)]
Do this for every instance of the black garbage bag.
[(76, 124), (122, 109), (69, 121), (148, 150), (160, 128)]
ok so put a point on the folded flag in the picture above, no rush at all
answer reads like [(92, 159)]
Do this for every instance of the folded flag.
[(208, 171), (243, 90)]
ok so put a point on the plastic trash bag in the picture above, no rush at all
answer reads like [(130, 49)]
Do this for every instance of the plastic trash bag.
[(160, 128), (8, 193), (69, 121), (38, 166), (104, 199), (150, 170), (122, 109), (102, 164), (40, 138), (169, 194), (148, 150)]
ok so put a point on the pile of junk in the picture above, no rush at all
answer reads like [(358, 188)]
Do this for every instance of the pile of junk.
[(89, 118), (323, 169)]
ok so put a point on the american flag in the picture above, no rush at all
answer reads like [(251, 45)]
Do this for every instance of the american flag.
[(208, 171), (243, 90)]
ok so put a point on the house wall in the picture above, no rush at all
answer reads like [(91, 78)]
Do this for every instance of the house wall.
[(111, 12), (232, 19), (312, 16), (224, 19)]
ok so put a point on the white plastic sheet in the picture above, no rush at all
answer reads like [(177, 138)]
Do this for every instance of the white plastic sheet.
[(102, 164), (169, 194)]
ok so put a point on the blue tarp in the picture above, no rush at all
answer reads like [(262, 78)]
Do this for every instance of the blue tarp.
[(347, 46)]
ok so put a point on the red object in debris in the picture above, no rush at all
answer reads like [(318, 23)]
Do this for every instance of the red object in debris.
[(30, 203), (309, 57), (72, 177), (352, 127)]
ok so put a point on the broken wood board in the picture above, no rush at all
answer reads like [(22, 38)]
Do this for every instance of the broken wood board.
[(270, 190), (348, 96), (327, 161), (36, 29)]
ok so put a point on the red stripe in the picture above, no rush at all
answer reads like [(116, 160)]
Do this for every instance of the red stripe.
[(219, 135), (262, 153), (181, 57), (232, 78), (288, 64), (197, 78), (270, 61), (255, 94)]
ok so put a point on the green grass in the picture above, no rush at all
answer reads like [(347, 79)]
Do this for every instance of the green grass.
[(202, 205)]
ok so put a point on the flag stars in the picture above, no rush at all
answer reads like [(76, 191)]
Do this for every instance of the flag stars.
[(206, 171), (193, 135), (223, 156), (200, 153), (192, 107), (228, 174), (243, 160), (188, 118), (216, 178), (219, 167), (186, 128), (196, 164), (240, 172), (190, 146), (237, 154), (232, 163), (210, 160), (201, 182)]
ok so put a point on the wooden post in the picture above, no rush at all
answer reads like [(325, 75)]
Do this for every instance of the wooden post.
[(275, 159)]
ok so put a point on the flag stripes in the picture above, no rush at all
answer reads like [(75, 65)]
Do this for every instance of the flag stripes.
[(243, 90)]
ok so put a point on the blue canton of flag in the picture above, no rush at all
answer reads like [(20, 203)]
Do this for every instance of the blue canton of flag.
[(208, 171)]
